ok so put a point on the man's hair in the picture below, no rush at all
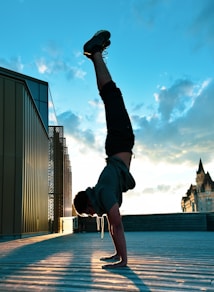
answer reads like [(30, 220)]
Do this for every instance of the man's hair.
[(81, 202)]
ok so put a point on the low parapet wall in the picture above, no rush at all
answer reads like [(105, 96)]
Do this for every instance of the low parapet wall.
[(167, 222), (156, 222)]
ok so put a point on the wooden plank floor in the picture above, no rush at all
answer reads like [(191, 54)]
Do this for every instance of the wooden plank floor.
[(158, 261)]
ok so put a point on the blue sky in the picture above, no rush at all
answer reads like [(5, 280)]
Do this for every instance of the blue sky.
[(162, 58)]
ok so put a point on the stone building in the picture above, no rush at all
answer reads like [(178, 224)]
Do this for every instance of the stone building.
[(199, 197)]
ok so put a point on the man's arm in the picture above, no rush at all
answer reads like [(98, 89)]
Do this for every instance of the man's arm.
[(117, 233)]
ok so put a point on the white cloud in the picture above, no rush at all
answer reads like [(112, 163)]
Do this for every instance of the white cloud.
[(79, 73), (56, 66), (14, 63), (186, 137), (52, 119), (42, 66), (180, 131), (173, 101), (54, 61), (73, 128)]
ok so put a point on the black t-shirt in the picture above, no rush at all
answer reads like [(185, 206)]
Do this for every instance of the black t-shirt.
[(113, 181)]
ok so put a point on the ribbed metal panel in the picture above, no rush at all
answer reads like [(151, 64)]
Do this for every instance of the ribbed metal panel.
[(11, 156), (35, 188), (23, 161)]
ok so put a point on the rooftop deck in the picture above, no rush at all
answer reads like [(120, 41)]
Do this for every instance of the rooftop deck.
[(158, 261)]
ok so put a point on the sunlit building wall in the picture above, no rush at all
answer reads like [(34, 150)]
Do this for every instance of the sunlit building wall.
[(23, 154)]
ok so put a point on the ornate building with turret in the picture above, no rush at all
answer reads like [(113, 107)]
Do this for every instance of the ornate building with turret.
[(199, 197)]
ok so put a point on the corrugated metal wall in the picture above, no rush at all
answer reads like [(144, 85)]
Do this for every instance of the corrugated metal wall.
[(23, 162), (35, 187)]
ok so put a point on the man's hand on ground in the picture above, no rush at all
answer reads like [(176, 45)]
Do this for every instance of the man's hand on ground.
[(117, 265)]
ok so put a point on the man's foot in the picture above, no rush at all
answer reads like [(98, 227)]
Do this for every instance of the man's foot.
[(97, 43), (110, 258)]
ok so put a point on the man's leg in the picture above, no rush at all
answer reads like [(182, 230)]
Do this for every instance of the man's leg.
[(102, 73), (93, 50), (120, 138)]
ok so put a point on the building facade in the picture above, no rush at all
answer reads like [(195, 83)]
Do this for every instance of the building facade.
[(59, 178), (23, 154), (200, 197)]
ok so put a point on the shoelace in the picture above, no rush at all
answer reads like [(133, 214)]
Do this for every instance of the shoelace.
[(101, 221)]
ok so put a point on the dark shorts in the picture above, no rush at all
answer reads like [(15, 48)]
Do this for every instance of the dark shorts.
[(120, 137)]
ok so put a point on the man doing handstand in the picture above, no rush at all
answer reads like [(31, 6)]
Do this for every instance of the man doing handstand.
[(106, 196)]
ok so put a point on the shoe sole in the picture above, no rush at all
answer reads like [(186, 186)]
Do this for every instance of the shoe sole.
[(100, 40)]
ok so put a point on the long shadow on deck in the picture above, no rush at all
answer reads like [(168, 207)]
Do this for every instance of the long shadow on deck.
[(60, 262), (29, 258), (132, 277)]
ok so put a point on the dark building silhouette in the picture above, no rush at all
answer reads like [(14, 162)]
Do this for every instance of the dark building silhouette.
[(60, 191)]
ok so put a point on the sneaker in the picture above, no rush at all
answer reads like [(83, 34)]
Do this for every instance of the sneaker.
[(97, 43)]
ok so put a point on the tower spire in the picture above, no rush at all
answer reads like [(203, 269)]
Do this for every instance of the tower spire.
[(200, 167)]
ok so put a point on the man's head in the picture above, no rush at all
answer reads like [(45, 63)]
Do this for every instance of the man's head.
[(82, 204)]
